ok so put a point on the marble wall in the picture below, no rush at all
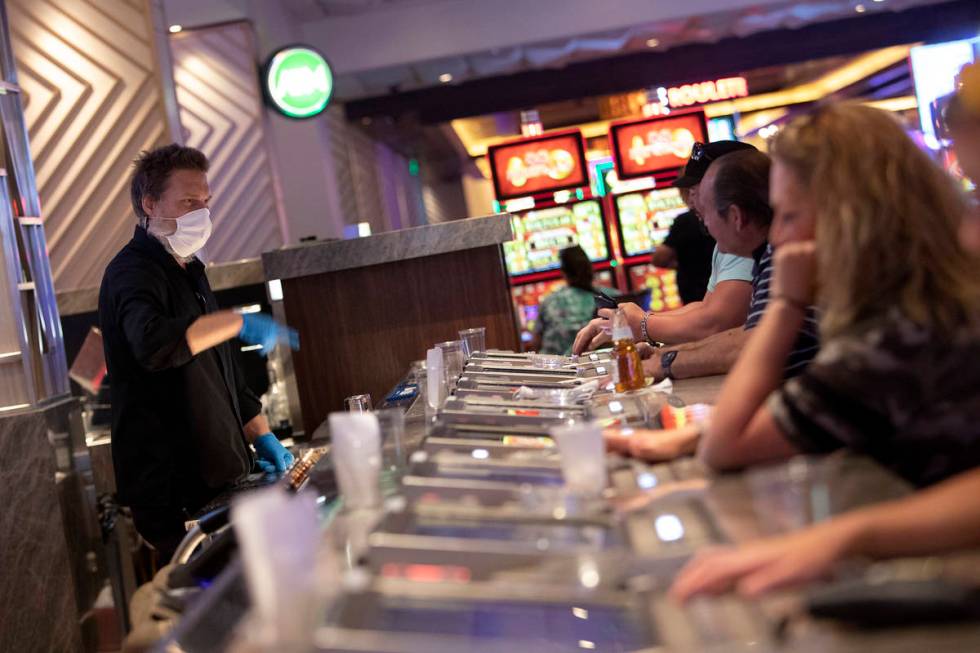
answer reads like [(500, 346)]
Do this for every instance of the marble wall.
[(37, 593)]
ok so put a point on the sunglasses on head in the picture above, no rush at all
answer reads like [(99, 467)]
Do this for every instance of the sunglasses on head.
[(700, 153)]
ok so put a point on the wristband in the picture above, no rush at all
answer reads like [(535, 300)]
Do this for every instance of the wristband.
[(643, 329)]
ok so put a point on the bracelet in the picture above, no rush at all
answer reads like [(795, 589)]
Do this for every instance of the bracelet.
[(643, 329), (795, 303)]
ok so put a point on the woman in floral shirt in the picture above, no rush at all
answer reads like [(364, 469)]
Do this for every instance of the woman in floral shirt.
[(565, 311)]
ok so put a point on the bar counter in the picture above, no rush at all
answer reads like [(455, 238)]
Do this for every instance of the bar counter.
[(741, 507), (365, 306)]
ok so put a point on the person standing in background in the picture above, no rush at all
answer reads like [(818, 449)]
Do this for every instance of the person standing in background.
[(566, 310), (687, 249)]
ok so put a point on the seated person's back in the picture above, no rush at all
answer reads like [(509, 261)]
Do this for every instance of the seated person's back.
[(566, 310)]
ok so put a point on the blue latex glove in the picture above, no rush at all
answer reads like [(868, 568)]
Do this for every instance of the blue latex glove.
[(267, 468), (273, 457), (259, 329)]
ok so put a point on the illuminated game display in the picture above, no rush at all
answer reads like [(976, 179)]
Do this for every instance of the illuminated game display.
[(645, 218), (544, 164), (540, 236), (649, 147), (527, 298), (662, 283)]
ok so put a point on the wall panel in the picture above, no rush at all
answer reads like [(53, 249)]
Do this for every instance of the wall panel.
[(222, 115), (92, 100)]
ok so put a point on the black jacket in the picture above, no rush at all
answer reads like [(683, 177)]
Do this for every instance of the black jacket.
[(177, 436)]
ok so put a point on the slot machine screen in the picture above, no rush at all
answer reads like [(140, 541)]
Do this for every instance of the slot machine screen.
[(664, 295), (541, 234), (527, 297), (645, 218)]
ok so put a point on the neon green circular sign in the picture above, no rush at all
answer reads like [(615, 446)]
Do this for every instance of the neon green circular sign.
[(298, 81)]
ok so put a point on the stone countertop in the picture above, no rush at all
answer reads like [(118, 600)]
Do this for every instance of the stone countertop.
[(702, 390), (234, 274), (745, 506), (331, 256)]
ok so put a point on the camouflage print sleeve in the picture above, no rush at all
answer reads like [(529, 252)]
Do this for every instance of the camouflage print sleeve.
[(836, 401)]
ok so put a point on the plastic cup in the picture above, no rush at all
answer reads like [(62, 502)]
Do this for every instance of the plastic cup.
[(355, 448), (391, 422), (452, 361), (583, 458), (358, 403), (474, 340)]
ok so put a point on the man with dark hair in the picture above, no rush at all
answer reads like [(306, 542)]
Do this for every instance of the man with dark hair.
[(726, 300), (183, 419), (566, 310), (734, 205)]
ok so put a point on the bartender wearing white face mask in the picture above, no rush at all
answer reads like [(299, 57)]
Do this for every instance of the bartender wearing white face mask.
[(184, 424)]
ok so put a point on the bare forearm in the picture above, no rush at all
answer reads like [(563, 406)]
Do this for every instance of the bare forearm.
[(255, 427), (213, 329), (686, 308), (934, 520), (715, 354), (686, 325), (757, 372)]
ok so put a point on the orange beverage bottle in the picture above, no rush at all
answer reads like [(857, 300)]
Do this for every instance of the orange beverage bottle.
[(627, 367)]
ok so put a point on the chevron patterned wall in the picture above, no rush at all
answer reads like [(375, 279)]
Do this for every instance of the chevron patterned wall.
[(92, 101), (222, 115)]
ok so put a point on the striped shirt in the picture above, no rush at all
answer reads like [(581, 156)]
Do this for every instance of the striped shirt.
[(807, 343)]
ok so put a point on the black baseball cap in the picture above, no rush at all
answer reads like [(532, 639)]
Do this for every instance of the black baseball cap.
[(701, 157)]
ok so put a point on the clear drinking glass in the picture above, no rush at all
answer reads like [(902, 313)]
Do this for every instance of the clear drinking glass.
[(358, 403), (391, 422), (474, 340), (452, 361)]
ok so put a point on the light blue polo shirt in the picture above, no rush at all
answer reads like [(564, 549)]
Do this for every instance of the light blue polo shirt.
[(729, 267)]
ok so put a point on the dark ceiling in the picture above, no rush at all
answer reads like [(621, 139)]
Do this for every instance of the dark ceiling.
[(768, 51)]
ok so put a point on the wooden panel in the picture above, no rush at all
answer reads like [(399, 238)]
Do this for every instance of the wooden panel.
[(13, 385), (360, 329)]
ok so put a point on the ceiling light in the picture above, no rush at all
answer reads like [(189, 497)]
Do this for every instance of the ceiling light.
[(445, 78), (175, 28), (860, 9), (652, 43)]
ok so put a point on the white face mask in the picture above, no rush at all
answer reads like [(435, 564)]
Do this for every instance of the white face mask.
[(192, 232)]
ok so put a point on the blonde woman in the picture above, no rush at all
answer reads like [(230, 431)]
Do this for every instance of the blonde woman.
[(898, 375)]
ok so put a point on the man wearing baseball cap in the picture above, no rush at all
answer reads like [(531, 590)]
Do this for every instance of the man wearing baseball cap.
[(725, 304)]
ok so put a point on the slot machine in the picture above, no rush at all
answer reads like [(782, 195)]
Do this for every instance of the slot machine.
[(543, 182), (648, 155)]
